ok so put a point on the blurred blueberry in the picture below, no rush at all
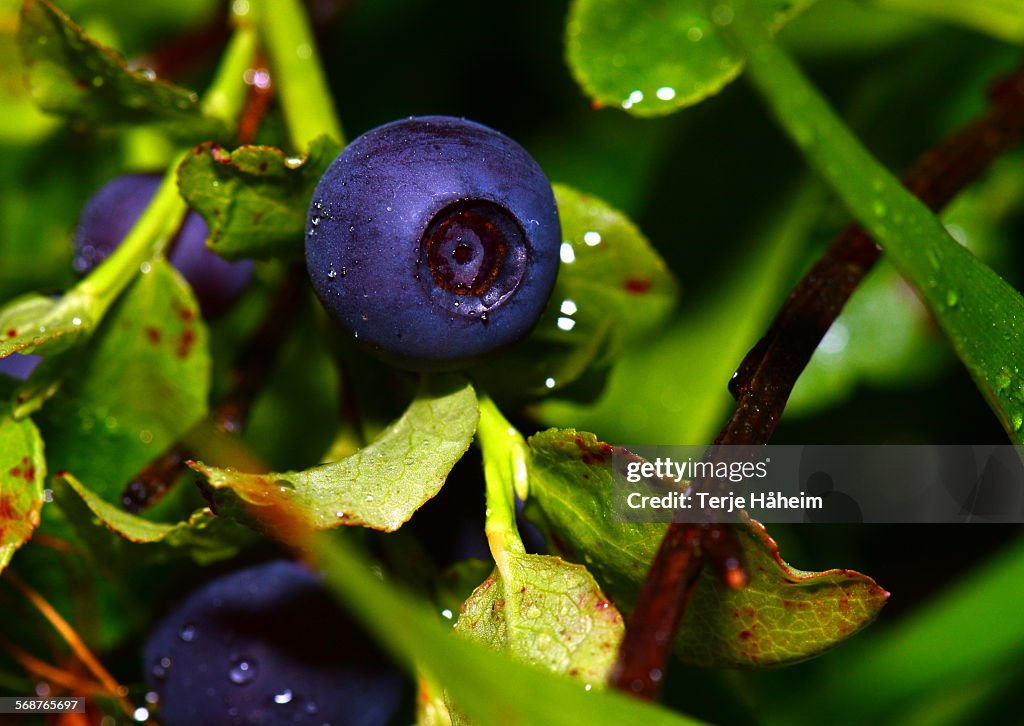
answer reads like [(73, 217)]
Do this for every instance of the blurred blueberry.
[(267, 645), (111, 213)]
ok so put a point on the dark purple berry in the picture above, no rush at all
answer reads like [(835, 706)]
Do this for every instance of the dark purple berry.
[(111, 213), (267, 645), (434, 241), (18, 366)]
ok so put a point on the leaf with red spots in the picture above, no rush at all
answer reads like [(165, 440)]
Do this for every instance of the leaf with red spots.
[(613, 291), (254, 199), (139, 385), (547, 612), (71, 74), (380, 486), (22, 471), (783, 616), (38, 324)]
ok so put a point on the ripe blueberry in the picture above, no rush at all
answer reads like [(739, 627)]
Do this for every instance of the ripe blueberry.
[(434, 241), (266, 645), (110, 214)]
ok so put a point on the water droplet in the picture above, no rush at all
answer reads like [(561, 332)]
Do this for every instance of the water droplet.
[(694, 34), (242, 671), (1017, 421), (722, 14), (283, 697), (152, 697), (634, 98), (549, 382), (567, 253), (47, 495), (1003, 379), (188, 633), (161, 667), (311, 708), (97, 81), (878, 207), (665, 93), (933, 259), (332, 273), (952, 298), (140, 714)]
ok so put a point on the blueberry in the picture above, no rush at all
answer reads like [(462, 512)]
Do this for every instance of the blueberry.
[(110, 214), (267, 645), (433, 241), (18, 366)]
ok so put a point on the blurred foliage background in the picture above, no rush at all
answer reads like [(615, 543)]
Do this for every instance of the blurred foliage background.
[(729, 204)]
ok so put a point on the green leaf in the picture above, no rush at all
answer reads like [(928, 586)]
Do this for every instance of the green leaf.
[(783, 616), (652, 57), (381, 485), (142, 384), (978, 310), (899, 665), (673, 386), (204, 537), (488, 686), (70, 74), (612, 291), (255, 199), (38, 324), (1003, 19), (547, 612), (22, 472)]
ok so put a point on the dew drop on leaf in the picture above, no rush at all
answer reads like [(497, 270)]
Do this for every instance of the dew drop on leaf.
[(188, 633), (243, 671)]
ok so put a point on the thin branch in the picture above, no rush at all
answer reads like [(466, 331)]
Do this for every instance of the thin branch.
[(768, 373), (42, 670), (74, 641)]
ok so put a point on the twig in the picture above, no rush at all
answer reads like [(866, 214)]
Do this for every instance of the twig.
[(41, 669), (260, 94), (74, 641), (769, 371)]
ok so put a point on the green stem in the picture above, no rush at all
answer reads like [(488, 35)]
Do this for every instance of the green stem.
[(504, 453), (160, 221), (966, 297), (225, 98), (297, 74)]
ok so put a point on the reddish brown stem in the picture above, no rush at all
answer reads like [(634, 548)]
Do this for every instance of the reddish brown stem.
[(185, 52), (768, 373), (257, 102)]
